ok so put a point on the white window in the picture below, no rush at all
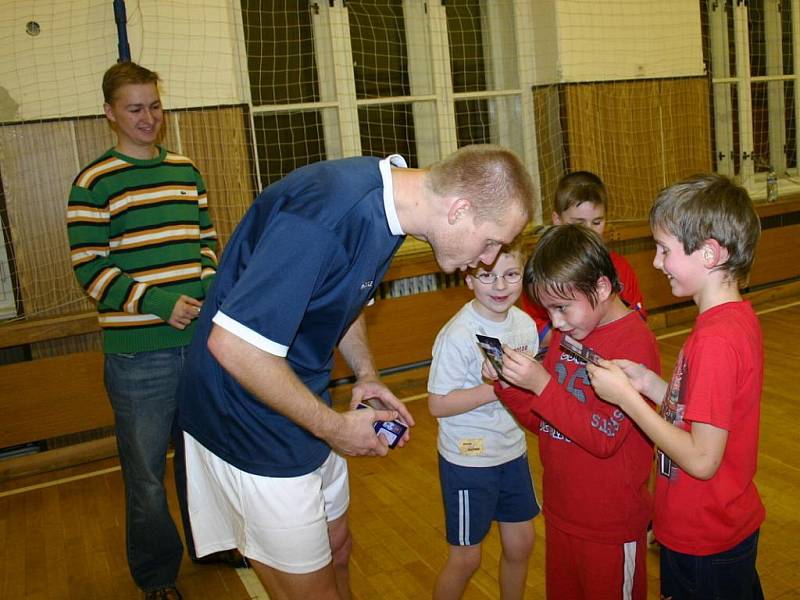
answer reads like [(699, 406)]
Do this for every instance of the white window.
[(374, 77), (753, 60)]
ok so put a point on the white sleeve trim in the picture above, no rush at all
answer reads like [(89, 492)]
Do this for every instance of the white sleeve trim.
[(248, 335)]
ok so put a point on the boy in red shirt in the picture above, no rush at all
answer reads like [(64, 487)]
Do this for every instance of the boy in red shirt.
[(581, 199), (596, 463), (708, 511)]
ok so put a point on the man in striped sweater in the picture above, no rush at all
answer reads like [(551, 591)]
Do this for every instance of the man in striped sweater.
[(143, 247)]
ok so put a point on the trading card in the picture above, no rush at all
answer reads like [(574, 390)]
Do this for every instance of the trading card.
[(575, 348), (391, 431), (493, 349)]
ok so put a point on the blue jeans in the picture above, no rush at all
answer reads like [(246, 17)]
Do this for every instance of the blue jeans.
[(729, 575), (141, 388)]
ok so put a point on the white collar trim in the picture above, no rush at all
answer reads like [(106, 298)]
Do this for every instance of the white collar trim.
[(385, 166)]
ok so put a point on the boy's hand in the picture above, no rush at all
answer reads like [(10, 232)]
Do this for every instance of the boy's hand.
[(637, 373), (523, 371), (185, 310), (648, 383), (611, 383), (488, 371)]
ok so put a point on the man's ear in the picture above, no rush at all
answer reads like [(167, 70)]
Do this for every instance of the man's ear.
[(604, 288), (555, 218), (459, 207)]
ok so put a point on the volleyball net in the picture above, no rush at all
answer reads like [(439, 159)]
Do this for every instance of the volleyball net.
[(641, 92)]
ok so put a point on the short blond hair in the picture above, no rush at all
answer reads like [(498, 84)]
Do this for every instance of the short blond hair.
[(125, 73), (492, 178)]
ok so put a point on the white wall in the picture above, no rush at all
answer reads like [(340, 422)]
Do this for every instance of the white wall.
[(545, 39), (192, 45), (196, 48), (602, 40)]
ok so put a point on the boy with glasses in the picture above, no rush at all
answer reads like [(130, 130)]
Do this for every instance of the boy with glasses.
[(483, 461)]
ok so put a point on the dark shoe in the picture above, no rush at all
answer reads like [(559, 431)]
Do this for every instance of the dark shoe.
[(232, 558), (167, 593)]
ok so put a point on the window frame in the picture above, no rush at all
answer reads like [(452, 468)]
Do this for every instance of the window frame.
[(737, 122)]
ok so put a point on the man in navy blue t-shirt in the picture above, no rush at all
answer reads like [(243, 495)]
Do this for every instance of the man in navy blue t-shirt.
[(263, 446)]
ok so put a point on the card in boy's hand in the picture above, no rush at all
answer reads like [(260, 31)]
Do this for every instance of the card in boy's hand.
[(575, 348), (493, 349)]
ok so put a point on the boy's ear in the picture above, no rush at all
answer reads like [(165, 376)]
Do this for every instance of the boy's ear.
[(713, 254), (459, 207), (555, 218), (470, 280), (604, 288)]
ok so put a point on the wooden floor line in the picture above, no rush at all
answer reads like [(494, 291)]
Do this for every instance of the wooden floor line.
[(774, 308), (47, 484), (765, 311), (665, 336), (783, 463), (415, 397), (252, 585), (86, 475)]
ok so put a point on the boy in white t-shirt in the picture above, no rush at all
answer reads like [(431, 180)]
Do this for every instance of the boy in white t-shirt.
[(483, 462)]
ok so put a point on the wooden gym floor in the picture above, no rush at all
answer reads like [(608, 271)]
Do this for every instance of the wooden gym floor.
[(62, 534)]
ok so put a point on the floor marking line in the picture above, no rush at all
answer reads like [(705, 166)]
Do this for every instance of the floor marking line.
[(46, 484), (764, 311)]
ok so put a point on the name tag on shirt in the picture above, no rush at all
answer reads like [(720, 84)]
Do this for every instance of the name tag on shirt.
[(471, 447)]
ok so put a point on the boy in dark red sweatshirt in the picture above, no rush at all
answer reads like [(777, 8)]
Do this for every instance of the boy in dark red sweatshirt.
[(596, 462)]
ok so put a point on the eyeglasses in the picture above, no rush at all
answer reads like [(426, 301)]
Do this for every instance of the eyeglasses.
[(489, 277)]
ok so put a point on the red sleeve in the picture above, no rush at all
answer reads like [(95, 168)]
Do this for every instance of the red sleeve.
[(596, 426), (570, 404), (518, 401), (631, 293)]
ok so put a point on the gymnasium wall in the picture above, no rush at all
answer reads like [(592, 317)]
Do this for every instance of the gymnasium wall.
[(617, 88)]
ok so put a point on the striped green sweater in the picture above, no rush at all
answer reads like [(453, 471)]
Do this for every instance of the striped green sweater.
[(140, 236)]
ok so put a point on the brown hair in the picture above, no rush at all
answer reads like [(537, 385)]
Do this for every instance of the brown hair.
[(569, 259), (576, 188), (125, 73), (515, 248), (492, 178), (706, 207)]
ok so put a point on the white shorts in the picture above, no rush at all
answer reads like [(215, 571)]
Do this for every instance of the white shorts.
[(279, 521)]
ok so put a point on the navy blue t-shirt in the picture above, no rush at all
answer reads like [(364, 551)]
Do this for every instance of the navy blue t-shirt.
[(298, 270)]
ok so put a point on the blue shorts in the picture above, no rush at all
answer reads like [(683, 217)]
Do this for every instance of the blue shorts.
[(476, 496)]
